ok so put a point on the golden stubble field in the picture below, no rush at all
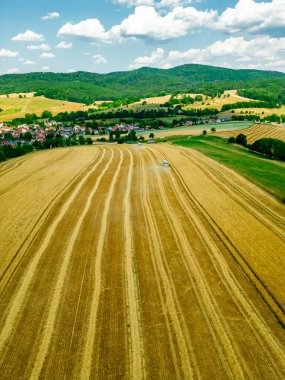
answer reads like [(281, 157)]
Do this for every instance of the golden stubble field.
[(114, 266), (258, 131)]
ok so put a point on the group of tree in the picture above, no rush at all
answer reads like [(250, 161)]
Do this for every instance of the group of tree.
[(8, 151), (52, 141), (250, 104), (269, 147), (86, 87)]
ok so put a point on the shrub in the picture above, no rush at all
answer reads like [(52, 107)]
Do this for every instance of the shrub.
[(205, 132), (241, 139), (231, 140)]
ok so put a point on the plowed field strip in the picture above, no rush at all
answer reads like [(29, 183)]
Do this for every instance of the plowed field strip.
[(91, 328), (204, 294), (257, 209), (61, 157), (183, 350), (136, 349), (19, 298), (253, 317), (57, 292), (15, 261)]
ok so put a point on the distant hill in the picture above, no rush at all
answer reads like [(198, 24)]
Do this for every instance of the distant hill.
[(86, 87)]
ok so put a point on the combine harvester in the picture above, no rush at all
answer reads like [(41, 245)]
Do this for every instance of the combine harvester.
[(166, 163)]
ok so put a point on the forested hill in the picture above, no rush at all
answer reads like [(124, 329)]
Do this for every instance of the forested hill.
[(145, 82)]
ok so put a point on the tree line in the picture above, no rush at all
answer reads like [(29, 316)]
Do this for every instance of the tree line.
[(51, 141), (269, 147)]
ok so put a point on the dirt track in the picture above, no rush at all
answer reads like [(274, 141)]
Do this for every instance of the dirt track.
[(138, 271)]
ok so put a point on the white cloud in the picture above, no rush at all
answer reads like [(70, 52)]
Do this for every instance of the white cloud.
[(99, 59), (64, 45), (4, 53), (44, 47), (45, 68), (28, 35), (146, 23), (71, 71), (154, 59), (134, 3), (50, 16), (253, 17), (12, 71), (155, 3), (90, 29), (47, 55), (28, 62), (264, 51)]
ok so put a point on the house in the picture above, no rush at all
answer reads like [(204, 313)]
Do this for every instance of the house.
[(8, 142)]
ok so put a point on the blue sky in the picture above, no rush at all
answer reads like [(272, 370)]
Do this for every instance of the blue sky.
[(111, 35)]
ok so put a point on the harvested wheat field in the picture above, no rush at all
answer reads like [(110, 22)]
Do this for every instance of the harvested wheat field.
[(115, 267), (258, 131)]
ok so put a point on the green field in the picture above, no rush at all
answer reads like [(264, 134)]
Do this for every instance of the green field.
[(265, 172), (235, 125), (14, 106)]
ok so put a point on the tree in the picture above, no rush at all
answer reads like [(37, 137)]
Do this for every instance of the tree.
[(131, 136), (213, 129), (81, 140), (241, 139), (205, 132), (117, 134), (198, 98), (231, 140), (46, 114), (27, 136), (151, 135), (89, 141), (2, 156)]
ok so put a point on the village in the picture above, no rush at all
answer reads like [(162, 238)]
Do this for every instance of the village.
[(28, 133)]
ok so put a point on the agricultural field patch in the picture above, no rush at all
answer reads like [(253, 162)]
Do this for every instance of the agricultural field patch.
[(259, 131), (263, 171), (115, 266), (14, 107)]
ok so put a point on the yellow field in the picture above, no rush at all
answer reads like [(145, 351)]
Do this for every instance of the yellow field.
[(17, 107), (262, 112), (229, 97), (257, 132), (115, 267), (209, 103)]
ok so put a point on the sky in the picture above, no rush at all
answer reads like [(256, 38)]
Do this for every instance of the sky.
[(118, 35)]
